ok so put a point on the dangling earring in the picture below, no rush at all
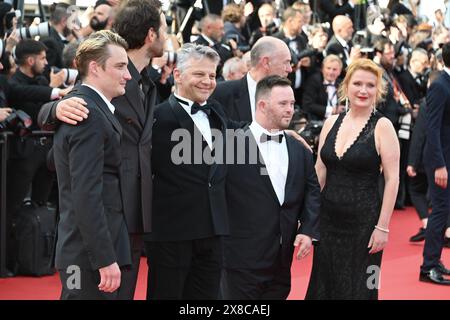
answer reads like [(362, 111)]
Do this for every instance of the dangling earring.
[(346, 105), (374, 109)]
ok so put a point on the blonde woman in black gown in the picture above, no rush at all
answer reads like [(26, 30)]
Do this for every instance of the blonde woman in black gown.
[(355, 148)]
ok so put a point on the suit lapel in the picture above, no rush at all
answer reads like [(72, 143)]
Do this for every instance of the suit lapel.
[(219, 150), (293, 165), (102, 107), (132, 87), (243, 106), (182, 117)]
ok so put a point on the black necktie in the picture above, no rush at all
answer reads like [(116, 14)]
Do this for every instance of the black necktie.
[(265, 137)]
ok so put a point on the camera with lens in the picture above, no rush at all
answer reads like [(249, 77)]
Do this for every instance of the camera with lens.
[(361, 40), (41, 30), (171, 57), (235, 38), (311, 133), (271, 29), (70, 75), (17, 122), (13, 14)]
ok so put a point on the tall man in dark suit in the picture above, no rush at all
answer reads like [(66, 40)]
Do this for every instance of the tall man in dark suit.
[(437, 164), (93, 239), (269, 56), (411, 80), (340, 43), (267, 199), (184, 250), (292, 33), (58, 32), (212, 32), (144, 28)]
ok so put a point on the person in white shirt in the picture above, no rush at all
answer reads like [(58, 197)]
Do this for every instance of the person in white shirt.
[(267, 199)]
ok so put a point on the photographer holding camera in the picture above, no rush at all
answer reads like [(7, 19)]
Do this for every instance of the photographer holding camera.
[(212, 32), (28, 156), (291, 33), (59, 30), (234, 21), (266, 15)]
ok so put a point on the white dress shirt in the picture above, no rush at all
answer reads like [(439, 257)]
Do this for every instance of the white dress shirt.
[(332, 98), (108, 103), (276, 158), (251, 83), (346, 49), (200, 119)]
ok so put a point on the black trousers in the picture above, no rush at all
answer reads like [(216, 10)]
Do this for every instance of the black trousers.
[(418, 188), (401, 196), (437, 223), (184, 269), (130, 274), (256, 284), (85, 289)]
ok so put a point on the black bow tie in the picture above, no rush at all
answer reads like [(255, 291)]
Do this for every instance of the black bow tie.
[(265, 137), (329, 84), (205, 108), (196, 107)]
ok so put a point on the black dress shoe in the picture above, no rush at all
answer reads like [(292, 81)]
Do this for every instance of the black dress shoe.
[(434, 276), (419, 236), (442, 269)]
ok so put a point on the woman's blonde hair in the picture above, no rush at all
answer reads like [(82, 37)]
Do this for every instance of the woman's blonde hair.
[(369, 66)]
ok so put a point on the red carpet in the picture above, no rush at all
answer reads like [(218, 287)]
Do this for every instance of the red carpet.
[(399, 276)]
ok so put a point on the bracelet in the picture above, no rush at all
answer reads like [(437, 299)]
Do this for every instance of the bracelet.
[(382, 229)]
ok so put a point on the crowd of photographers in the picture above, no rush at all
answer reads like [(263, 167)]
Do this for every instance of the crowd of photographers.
[(37, 66)]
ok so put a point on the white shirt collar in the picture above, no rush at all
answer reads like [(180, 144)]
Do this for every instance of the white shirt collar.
[(189, 102), (211, 43), (341, 41), (251, 83), (447, 70), (108, 103), (258, 130)]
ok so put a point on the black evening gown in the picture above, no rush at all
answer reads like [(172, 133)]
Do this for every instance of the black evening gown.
[(350, 208)]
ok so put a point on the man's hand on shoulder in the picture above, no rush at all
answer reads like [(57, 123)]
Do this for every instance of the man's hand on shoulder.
[(298, 137), (72, 110)]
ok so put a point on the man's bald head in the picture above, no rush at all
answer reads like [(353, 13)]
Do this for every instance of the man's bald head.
[(271, 56), (266, 46), (343, 27)]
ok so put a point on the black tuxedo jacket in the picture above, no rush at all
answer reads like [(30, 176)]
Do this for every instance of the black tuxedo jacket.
[(437, 146), (302, 44), (189, 196), (418, 138), (92, 231), (234, 97), (412, 90), (335, 47), (136, 119), (315, 97), (257, 220)]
